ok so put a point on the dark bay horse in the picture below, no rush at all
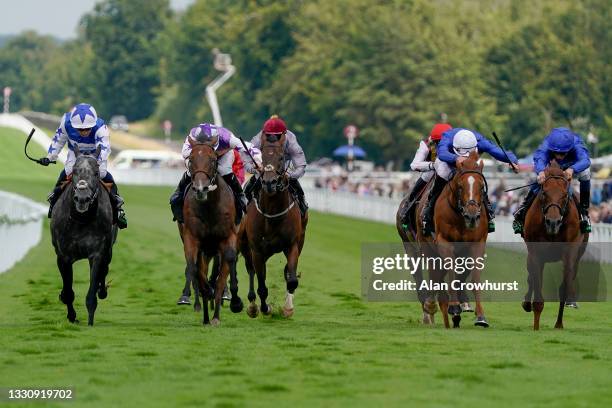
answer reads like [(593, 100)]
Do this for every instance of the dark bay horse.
[(273, 224), (460, 219), (552, 233), (82, 228), (209, 229)]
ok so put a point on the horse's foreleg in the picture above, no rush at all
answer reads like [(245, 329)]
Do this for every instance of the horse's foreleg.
[(67, 294), (292, 255), (536, 269), (204, 285), (567, 290), (230, 257), (480, 316), (192, 264), (184, 298), (259, 263), (91, 301)]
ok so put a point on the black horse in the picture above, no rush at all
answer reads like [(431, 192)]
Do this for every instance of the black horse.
[(82, 228)]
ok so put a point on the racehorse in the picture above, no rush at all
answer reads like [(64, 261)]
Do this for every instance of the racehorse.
[(209, 229), (552, 233), (458, 218), (273, 224), (82, 228)]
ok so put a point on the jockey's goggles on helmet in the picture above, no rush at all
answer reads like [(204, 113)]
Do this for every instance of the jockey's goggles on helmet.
[(465, 151), (273, 137), (84, 131)]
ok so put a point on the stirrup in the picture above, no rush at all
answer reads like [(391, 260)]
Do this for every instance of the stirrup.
[(585, 224), (517, 226), (121, 219), (491, 226)]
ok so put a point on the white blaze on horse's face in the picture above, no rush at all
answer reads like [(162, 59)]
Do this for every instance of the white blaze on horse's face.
[(471, 181), (269, 167)]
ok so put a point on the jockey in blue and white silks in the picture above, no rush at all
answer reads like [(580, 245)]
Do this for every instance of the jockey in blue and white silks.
[(225, 143), (455, 146), (82, 128), (567, 148)]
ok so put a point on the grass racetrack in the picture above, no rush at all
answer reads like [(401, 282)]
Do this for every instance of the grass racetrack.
[(337, 350)]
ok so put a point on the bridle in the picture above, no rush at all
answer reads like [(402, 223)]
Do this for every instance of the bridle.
[(212, 177), (562, 210), (461, 207), (280, 183)]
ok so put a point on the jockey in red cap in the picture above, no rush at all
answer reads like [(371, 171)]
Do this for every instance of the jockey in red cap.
[(272, 130), (423, 162)]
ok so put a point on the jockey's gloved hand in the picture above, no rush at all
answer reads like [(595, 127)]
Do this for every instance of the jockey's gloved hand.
[(44, 161)]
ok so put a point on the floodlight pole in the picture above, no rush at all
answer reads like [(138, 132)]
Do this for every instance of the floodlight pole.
[(223, 63)]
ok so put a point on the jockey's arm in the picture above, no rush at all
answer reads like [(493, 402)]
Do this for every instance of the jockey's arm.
[(541, 157), (59, 140), (253, 151), (583, 160), (298, 158), (445, 152), (256, 140), (186, 148), (102, 138), (420, 162), (486, 146)]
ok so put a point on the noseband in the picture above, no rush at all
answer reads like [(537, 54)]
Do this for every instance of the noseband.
[(562, 210)]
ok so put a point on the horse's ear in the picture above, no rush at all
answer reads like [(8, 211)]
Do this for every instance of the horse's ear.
[(77, 151), (553, 164), (481, 165), (474, 155)]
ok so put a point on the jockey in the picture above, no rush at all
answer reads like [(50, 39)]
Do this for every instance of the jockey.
[(454, 148), (82, 128), (226, 143), (423, 162), (569, 151), (273, 129)]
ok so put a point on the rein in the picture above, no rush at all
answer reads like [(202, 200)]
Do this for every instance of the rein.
[(563, 209)]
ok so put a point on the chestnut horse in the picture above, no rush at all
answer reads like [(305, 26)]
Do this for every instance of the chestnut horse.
[(460, 216), (209, 229), (552, 233), (273, 224)]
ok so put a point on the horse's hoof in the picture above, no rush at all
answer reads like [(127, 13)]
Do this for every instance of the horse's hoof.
[(456, 321), (102, 293), (268, 310), (72, 318), (466, 307), (183, 300), (454, 310), (197, 307), (427, 318), (252, 310), (236, 305), (287, 312), (215, 322), (526, 306), (430, 307), (481, 321), (558, 325)]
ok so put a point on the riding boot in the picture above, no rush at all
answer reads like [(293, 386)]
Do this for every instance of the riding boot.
[(176, 199), (434, 193), (56, 192), (519, 215), (490, 213), (118, 212), (296, 188), (251, 187), (241, 201), (405, 211), (585, 201)]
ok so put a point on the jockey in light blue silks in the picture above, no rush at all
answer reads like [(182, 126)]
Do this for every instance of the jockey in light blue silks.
[(455, 147), (82, 128), (225, 143), (569, 151)]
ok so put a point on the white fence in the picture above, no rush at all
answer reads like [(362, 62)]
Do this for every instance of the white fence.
[(20, 227)]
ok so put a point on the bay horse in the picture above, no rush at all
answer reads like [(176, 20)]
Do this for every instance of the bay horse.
[(460, 216), (82, 228), (273, 224), (552, 233), (209, 229)]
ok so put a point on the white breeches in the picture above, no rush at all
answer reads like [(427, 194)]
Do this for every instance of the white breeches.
[(427, 175), (443, 169), (584, 175)]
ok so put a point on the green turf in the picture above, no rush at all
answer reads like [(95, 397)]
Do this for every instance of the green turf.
[(336, 351)]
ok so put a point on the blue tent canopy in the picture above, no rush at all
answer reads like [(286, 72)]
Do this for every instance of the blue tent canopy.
[(343, 151)]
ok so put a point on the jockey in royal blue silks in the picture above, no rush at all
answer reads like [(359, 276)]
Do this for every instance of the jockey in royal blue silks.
[(567, 148), (82, 128), (455, 147)]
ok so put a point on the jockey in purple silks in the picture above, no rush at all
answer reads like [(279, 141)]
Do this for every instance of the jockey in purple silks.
[(225, 143)]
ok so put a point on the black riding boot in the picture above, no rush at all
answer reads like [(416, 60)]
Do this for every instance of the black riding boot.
[(252, 187), (176, 199), (490, 213), (241, 201), (405, 211), (56, 192), (585, 201), (519, 215), (434, 193), (296, 188), (118, 212)]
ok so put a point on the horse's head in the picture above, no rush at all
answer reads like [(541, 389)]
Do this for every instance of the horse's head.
[(470, 189), (85, 179), (274, 178), (202, 166), (554, 197)]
